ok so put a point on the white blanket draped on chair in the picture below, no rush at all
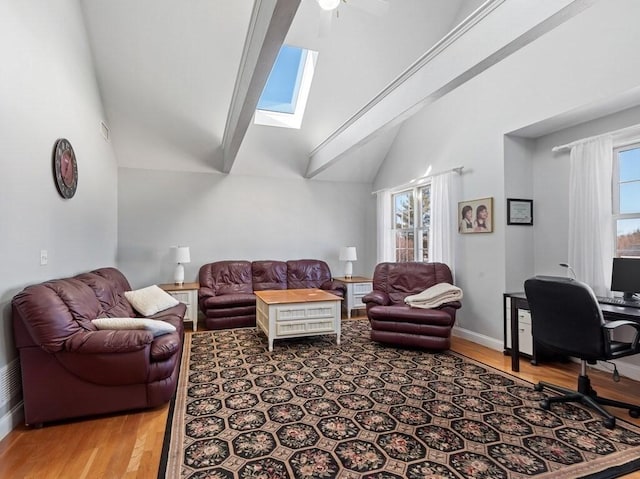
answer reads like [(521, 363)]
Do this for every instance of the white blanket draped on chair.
[(435, 296)]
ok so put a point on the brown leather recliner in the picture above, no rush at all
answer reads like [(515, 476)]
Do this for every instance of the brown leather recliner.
[(393, 321), (71, 369), (226, 287)]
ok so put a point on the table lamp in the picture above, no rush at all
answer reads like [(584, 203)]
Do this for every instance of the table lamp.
[(182, 256), (348, 254)]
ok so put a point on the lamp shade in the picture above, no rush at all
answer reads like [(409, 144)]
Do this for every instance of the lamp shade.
[(182, 254), (348, 253), (328, 4)]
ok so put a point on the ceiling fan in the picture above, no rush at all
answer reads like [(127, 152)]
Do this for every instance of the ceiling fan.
[(373, 7)]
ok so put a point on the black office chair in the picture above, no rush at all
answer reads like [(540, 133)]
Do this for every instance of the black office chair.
[(566, 317)]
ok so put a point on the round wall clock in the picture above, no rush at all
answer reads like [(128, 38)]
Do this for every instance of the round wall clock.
[(65, 168)]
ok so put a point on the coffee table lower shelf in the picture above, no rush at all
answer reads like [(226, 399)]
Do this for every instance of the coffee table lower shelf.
[(296, 313)]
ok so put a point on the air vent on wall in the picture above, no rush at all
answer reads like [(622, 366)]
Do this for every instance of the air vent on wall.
[(104, 129), (10, 383)]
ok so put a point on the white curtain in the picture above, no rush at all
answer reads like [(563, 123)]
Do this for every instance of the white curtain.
[(441, 235), (591, 244), (384, 231)]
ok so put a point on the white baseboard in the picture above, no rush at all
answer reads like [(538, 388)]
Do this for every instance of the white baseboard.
[(9, 421), (626, 369), (491, 343)]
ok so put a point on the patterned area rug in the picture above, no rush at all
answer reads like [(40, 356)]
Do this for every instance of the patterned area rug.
[(312, 409)]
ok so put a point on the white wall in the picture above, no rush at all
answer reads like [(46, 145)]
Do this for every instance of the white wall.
[(572, 66), (519, 239), (48, 92), (238, 217)]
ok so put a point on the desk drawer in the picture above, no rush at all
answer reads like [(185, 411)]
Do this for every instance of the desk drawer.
[(525, 337), (357, 301), (297, 328), (360, 289), (306, 311)]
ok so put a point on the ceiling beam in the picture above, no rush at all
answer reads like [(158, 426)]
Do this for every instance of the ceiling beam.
[(270, 22), (493, 32)]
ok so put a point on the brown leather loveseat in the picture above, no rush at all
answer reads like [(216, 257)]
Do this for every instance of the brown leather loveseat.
[(72, 369), (393, 321), (226, 287)]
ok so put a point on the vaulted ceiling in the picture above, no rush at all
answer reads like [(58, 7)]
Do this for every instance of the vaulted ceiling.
[(175, 75)]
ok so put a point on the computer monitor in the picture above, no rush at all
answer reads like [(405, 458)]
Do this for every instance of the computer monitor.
[(625, 277)]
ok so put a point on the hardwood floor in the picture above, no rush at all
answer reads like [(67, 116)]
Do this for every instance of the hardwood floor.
[(129, 445)]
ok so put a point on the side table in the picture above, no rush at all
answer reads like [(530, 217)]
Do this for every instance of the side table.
[(357, 287), (186, 293)]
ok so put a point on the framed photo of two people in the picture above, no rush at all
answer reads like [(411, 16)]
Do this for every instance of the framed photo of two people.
[(475, 216)]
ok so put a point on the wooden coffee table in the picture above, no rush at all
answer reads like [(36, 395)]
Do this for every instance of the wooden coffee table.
[(292, 313)]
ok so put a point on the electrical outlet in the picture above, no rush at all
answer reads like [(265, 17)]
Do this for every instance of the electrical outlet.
[(44, 257)]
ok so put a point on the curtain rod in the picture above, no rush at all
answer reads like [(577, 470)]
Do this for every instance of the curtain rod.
[(457, 169), (614, 133)]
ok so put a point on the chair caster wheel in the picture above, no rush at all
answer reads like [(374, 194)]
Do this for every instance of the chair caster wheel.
[(609, 422), (537, 387), (635, 413), (545, 404)]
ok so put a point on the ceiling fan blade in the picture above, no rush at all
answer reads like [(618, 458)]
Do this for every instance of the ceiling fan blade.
[(374, 7)]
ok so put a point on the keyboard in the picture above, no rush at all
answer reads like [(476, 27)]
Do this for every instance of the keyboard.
[(618, 302)]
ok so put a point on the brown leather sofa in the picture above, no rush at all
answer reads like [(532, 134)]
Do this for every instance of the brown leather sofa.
[(72, 369), (226, 287), (394, 322)]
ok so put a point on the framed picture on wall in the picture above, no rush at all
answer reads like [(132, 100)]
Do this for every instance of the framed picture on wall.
[(519, 212), (475, 216)]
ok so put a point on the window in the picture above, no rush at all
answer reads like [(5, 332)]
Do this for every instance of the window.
[(626, 199), (411, 211), (285, 94)]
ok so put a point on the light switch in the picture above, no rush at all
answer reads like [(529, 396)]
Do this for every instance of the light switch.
[(44, 257)]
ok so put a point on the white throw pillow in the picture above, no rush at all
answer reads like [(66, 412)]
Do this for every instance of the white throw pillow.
[(156, 326), (150, 300)]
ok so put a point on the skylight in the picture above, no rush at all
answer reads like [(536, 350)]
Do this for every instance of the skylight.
[(285, 95), (281, 91)]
